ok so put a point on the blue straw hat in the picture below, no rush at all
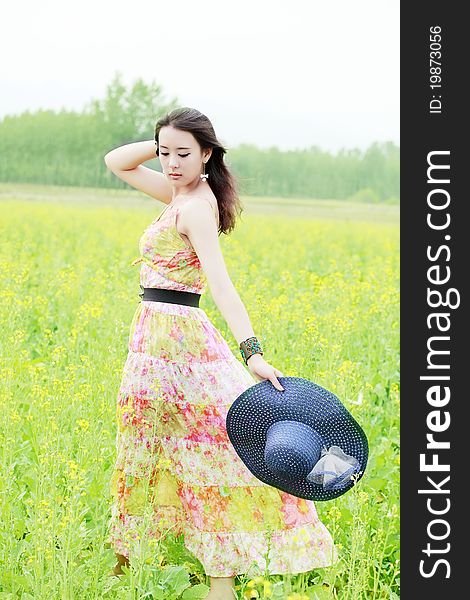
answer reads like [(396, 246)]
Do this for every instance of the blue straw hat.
[(301, 440)]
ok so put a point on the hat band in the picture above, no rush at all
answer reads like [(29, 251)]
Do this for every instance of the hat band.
[(334, 469)]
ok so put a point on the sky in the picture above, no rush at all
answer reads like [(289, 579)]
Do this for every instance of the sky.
[(288, 74)]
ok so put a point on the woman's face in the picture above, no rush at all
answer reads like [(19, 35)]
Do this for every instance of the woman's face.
[(179, 152)]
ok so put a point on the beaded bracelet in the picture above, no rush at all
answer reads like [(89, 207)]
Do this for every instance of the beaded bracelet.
[(249, 347)]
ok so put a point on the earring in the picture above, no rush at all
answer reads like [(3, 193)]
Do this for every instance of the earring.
[(204, 175)]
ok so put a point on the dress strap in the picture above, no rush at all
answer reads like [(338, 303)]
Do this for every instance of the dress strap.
[(169, 205)]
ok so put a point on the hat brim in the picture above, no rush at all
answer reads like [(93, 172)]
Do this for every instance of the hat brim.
[(257, 408)]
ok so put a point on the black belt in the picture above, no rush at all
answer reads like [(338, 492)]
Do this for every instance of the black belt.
[(171, 296)]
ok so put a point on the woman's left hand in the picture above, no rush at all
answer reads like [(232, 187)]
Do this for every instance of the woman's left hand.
[(263, 370)]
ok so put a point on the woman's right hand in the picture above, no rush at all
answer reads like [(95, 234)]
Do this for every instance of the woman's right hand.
[(263, 370)]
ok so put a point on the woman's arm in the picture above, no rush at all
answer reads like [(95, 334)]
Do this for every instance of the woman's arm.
[(197, 222), (229, 303), (125, 162), (130, 156)]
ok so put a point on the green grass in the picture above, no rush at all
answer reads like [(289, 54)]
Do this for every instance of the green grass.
[(320, 281), (129, 198)]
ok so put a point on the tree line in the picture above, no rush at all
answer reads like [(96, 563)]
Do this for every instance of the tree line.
[(67, 148)]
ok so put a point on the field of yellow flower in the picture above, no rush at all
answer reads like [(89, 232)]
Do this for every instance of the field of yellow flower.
[(323, 297)]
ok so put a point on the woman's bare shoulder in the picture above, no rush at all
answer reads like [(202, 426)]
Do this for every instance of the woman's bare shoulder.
[(199, 197)]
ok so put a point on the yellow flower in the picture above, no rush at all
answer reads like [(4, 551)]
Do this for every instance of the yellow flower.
[(363, 497), (267, 589), (255, 581), (334, 513)]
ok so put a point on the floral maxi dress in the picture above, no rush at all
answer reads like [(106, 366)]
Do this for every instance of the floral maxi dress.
[(176, 469)]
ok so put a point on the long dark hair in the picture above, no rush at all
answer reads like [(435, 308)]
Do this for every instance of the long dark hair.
[(221, 181)]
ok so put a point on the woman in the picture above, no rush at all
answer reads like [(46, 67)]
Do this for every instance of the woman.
[(180, 378)]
